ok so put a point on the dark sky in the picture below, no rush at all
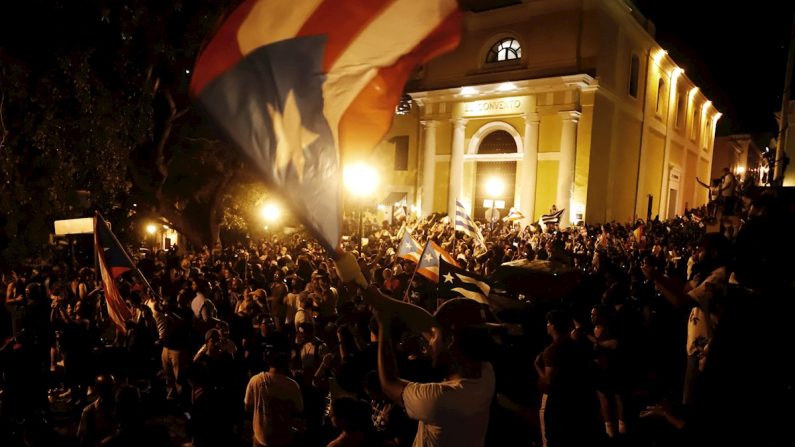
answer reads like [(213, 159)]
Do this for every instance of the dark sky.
[(734, 51)]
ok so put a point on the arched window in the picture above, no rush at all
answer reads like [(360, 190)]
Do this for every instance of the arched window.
[(504, 50), (497, 142)]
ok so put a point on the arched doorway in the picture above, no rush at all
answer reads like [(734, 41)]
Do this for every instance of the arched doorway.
[(495, 143)]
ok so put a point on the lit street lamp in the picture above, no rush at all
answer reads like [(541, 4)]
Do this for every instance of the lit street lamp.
[(270, 212), (361, 181), (151, 229)]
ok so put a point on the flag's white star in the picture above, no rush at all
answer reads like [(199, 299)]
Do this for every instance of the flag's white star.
[(291, 136), (448, 278), (408, 246), (428, 257)]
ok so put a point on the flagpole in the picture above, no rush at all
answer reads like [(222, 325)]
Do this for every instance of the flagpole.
[(416, 266), (140, 274)]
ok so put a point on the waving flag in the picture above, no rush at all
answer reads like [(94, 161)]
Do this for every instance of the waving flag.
[(465, 224), (399, 212), (409, 248), (550, 219), (456, 282), (513, 215), (113, 262), (291, 82), (429, 261)]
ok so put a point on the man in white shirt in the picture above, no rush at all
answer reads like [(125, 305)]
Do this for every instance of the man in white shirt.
[(728, 184), (275, 401), (703, 296), (304, 313), (454, 412)]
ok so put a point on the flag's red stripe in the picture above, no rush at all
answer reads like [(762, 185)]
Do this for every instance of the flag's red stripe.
[(369, 116), (115, 272), (341, 21), (223, 52)]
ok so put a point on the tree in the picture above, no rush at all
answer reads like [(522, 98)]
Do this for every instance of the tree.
[(95, 99)]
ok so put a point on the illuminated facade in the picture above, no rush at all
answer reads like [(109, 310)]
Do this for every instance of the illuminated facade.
[(742, 156), (569, 102)]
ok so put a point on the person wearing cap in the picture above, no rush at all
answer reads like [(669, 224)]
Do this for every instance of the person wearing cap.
[(454, 412)]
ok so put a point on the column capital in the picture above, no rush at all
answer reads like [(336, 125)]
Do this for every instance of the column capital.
[(532, 117), (429, 124), (570, 115), (459, 122)]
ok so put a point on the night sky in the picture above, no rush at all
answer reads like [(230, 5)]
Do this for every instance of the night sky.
[(734, 52)]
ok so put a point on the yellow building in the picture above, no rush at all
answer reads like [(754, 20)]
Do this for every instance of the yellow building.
[(569, 102)]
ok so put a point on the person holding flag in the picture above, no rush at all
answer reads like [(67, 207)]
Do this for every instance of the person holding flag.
[(455, 411)]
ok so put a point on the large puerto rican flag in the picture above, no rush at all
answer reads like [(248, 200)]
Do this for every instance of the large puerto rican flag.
[(299, 84)]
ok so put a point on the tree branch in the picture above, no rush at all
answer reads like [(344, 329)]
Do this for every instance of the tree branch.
[(160, 160)]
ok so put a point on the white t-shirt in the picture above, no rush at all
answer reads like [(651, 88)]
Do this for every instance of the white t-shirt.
[(727, 184), (275, 399), (453, 413), (197, 304), (290, 307)]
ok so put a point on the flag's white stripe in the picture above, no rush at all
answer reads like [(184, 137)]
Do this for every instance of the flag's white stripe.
[(361, 60), (470, 294), (273, 21), (433, 270), (112, 295), (480, 284)]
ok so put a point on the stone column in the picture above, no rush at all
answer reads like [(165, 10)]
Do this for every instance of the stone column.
[(456, 166), (428, 165), (568, 152), (529, 168)]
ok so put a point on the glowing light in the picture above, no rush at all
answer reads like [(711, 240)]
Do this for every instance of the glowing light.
[(468, 91), (739, 170), (151, 229), (360, 179), (495, 187), (506, 87), (659, 55), (270, 212), (692, 93)]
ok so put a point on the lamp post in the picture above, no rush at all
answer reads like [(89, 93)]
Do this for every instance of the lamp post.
[(360, 181), (494, 189)]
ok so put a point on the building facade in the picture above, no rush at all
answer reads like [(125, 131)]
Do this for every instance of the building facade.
[(783, 167), (742, 156), (568, 103)]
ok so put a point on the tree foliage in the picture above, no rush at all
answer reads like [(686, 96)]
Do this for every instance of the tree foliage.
[(94, 98)]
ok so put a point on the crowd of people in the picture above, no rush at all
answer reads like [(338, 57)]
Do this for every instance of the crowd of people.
[(670, 335)]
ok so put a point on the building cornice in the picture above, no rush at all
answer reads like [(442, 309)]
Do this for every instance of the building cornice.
[(502, 89)]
